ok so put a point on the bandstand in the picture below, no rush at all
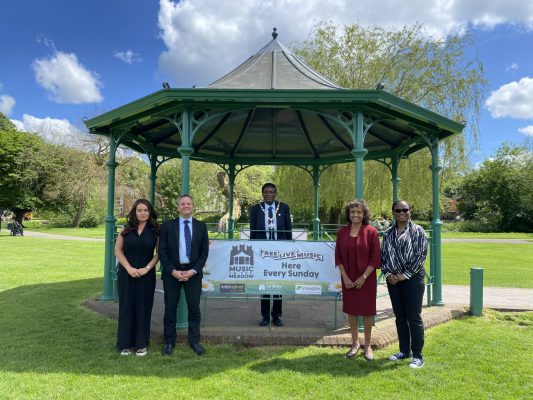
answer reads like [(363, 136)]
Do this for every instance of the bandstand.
[(274, 110)]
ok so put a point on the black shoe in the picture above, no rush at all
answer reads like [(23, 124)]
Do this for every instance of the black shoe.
[(167, 350), (198, 349), (264, 322), (277, 322)]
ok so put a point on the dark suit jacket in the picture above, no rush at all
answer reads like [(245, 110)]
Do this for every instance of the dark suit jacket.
[(283, 221), (169, 247)]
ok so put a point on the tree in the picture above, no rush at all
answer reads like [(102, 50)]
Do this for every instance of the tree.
[(75, 180), (6, 124), (23, 171), (434, 73), (499, 195)]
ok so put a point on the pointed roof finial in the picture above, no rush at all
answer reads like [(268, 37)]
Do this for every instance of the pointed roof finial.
[(275, 34)]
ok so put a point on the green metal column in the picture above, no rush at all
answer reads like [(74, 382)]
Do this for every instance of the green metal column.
[(231, 220), (359, 152), (110, 220), (436, 223), (316, 184), (185, 151), (395, 161), (153, 172)]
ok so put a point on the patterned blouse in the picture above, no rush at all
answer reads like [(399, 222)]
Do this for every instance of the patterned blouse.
[(404, 253)]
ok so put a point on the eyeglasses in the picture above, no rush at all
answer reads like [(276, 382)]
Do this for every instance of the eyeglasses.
[(400, 210)]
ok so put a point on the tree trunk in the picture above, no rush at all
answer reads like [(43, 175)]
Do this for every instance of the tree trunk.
[(79, 213), (19, 214), (223, 183)]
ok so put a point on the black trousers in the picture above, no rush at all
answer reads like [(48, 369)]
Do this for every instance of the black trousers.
[(406, 298), (193, 289), (276, 306)]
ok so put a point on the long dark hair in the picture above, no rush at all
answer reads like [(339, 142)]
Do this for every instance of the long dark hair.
[(131, 220)]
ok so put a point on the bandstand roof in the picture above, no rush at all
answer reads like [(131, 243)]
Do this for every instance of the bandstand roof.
[(272, 109)]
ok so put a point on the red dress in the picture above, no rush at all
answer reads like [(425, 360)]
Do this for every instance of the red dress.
[(356, 254)]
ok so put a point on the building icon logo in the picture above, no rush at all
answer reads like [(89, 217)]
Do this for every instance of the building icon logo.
[(241, 255)]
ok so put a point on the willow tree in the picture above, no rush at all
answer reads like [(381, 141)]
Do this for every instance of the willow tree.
[(441, 74)]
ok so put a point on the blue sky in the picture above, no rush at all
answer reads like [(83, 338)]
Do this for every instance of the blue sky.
[(64, 60)]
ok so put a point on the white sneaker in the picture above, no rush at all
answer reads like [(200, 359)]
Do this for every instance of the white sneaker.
[(416, 363), (141, 352), (125, 352)]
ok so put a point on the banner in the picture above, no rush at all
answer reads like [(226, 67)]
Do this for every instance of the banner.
[(271, 267)]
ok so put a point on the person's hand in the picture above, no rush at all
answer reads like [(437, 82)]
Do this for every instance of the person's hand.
[(359, 282), (176, 274), (183, 276), (401, 277), (392, 279), (347, 281), (133, 272)]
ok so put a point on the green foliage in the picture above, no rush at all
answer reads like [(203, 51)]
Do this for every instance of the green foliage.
[(499, 195), (24, 170), (6, 124), (337, 186)]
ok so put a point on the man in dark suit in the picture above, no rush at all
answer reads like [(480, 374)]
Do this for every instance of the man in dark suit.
[(270, 220), (183, 250)]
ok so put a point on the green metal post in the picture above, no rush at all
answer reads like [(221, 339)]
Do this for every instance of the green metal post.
[(185, 151), (359, 152), (231, 220), (316, 220), (395, 180), (476, 291), (436, 223), (110, 220), (153, 172)]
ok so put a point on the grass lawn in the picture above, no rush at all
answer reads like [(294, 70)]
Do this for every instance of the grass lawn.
[(482, 235), (505, 265), (56, 349), (98, 232)]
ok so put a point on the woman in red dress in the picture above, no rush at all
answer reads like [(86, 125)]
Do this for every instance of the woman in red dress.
[(357, 255)]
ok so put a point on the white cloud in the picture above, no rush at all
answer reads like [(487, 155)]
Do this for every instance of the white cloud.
[(66, 79), (206, 39), (514, 100), (512, 68), (128, 56), (528, 130), (6, 104), (59, 131)]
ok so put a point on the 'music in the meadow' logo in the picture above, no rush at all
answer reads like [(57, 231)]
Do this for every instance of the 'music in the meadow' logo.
[(241, 262)]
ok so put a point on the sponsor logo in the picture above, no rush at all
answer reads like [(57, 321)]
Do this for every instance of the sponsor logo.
[(271, 289), (232, 288), (308, 289)]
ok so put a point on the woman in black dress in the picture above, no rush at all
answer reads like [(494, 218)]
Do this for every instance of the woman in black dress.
[(137, 257)]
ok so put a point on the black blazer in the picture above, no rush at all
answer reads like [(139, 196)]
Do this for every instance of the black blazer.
[(169, 247), (283, 221)]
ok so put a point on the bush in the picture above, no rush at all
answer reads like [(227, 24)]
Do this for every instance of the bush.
[(61, 221), (90, 220), (424, 224)]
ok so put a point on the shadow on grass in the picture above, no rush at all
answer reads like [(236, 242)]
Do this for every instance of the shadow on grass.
[(326, 364), (45, 329)]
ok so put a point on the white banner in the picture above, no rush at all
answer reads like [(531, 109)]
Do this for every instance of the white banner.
[(269, 266)]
